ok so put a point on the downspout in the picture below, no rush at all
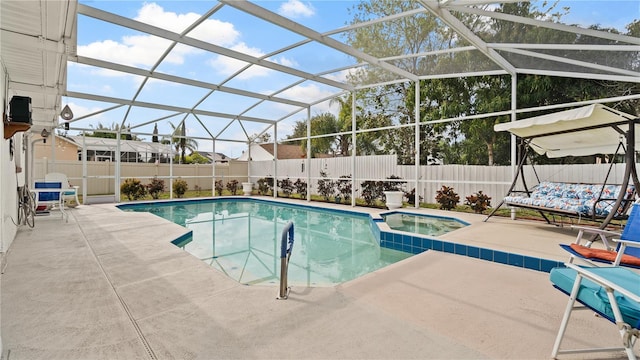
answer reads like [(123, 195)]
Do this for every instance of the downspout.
[(53, 167)]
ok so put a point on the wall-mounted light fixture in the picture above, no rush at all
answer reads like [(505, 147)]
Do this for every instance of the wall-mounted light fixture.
[(66, 113), (45, 134)]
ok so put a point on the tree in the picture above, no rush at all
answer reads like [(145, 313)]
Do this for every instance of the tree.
[(263, 138), (321, 124), (471, 141), (196, 158), (105, 132), (154, 138), (406, 35), (181, 142)]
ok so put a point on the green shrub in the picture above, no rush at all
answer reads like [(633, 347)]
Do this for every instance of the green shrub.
[(411, 196), (392, 185), (447, 198), (326, 186), (301, 188), (479, 202), (155, 187), (219, 187), (371, 191), (232, 186), (286, 186), (344, 187), (133, 189), (265, 185), (180, 187)]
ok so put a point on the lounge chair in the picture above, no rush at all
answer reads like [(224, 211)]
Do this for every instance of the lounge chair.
[(620, 249), (613, 292)]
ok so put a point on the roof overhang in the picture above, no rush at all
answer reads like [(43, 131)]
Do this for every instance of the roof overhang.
[(588, 130), (37, 37)]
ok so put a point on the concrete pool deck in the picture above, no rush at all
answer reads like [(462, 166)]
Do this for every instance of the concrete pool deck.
[(109, 285)]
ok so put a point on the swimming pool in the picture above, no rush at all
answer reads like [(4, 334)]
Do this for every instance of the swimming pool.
[(422, 224), (241, 238)]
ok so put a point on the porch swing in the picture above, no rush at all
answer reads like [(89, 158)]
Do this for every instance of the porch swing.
[(588, 130)]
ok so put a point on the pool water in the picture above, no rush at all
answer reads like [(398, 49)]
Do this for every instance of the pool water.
[(242, 238), (422, 224)]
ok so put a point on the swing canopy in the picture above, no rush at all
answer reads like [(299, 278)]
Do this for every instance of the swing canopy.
[(588, 130)]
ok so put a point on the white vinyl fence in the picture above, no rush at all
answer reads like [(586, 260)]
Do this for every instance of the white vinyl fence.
[(101, 174), (465, 179)]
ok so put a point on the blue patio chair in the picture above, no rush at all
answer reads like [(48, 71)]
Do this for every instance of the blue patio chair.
[(50, 195), (620, 249), (71, 192), (613, 292)]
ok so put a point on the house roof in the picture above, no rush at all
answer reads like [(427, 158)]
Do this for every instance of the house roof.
[(107, 144), (285, 151), (213, 156)]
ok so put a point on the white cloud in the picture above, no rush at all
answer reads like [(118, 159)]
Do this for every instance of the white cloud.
[(296, 9), (305, 93), (137, 50), (211, 30), (81, 110), (340, 76), (227, 66), (144, 50)]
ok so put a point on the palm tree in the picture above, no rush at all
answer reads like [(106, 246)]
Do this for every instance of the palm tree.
[(181, 142)]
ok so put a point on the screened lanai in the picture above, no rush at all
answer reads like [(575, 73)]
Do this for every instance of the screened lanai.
[(225, 73)]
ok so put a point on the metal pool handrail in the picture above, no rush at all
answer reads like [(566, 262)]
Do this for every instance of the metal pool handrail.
[(286, 246)]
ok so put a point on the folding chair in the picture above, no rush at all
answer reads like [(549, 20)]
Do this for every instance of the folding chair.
[(623, 249), (613, 292)]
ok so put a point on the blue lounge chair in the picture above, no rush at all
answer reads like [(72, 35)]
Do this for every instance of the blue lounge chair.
[(612, 291), (620, 249)]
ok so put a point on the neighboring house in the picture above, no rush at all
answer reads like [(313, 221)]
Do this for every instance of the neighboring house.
[(261, 152), (99, 149), (105, 149), (64, 147), (217, 157)]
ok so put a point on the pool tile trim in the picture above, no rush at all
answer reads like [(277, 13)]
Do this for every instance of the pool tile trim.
[(417, 244)]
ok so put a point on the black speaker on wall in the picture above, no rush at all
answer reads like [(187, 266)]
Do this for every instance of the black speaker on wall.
[(20, 109)]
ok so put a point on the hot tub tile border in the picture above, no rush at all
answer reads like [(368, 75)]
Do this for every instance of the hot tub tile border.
[(418, 244)]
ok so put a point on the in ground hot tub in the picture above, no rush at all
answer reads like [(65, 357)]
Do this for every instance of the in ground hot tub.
[(429, 225)]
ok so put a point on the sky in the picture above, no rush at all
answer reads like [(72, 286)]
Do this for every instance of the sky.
[(231, 29)]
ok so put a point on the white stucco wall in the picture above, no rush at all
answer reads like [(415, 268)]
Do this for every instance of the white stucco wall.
[(257, 154), (9, 180)]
